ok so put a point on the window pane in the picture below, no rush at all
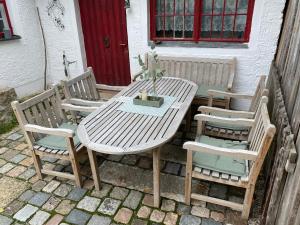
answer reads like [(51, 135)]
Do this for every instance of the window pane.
[(179, 7), (228, 26), (207, 6), (169, 26), (218, 8), (189, 6), (205, 26), (169, 7), (3, 21), (1, 26), (243, 6), (189, 26), (159, 7), (240, 25), (217, 27), (179, 26), (230, 6), (159, 26)]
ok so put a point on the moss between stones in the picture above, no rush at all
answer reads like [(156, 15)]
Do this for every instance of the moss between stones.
[(8, 126)]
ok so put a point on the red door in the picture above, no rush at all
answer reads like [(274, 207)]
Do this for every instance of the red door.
[(105, 37)]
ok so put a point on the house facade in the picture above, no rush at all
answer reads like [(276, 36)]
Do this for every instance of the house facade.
[(108, 35)]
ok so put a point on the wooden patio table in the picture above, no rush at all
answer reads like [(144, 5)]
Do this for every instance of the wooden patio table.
[(112, 131)]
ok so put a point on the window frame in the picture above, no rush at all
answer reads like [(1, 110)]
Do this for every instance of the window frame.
[(197, 24), (3, 2)]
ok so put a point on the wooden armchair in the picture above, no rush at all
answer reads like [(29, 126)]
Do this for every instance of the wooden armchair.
[(48, 132), (229, 162), (233, 131)]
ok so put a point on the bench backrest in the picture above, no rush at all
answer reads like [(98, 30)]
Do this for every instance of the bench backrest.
[(203, 71), (82, 87), (259, 92)]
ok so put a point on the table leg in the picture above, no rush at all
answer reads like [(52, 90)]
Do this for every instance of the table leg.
[(94, 168), (156, 177)]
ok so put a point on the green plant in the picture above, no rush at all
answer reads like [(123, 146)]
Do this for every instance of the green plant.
[(8, 126), (153, 71)]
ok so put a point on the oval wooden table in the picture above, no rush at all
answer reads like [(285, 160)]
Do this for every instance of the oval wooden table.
[(111, 131)]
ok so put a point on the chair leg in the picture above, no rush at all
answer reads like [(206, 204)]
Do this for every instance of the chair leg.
[(94, 168), (76, 171), (188, 177), (248, 201), (37, 164)]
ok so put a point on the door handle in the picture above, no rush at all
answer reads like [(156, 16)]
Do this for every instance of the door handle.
[(123, 45), (106, 42)]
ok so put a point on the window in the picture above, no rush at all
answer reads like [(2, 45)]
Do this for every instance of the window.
[(4, 18), (201, 20)]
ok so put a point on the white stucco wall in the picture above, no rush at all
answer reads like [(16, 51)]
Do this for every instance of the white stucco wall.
[(251, 62), (21, 61)]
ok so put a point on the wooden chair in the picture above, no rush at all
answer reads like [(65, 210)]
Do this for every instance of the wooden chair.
[(48, 132), (233, 131), (229, 162)]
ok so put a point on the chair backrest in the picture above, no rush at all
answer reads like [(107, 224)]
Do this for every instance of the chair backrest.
[(259, 92), (203, 71), (82, 87), (260, 137), (43, 110)]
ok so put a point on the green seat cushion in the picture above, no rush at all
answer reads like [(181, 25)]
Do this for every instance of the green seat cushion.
[(222, 164), (202, 91), (57, 142), (226, 125)]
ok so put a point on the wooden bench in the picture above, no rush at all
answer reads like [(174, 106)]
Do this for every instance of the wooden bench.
[(207, 73)]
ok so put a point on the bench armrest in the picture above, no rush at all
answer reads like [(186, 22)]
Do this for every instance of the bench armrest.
[(213, 93), (218, 119), (50, 131), (104, 87), (81, 102), (226, 112), (71, 107), (233, 153)]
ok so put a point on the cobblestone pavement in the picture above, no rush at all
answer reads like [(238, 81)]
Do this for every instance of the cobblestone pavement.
[(122, 200)]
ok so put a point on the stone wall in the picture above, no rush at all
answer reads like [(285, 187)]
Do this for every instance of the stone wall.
[(7, 95)]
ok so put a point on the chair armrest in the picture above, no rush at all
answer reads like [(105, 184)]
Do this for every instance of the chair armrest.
[(51, 131), (233, 153), (218, 119), (81, 102), (226, 112), (213, 93), (109, 88), (71, 107), (137, 75)]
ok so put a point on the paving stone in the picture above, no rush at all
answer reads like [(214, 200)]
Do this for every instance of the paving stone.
[(144, 212), (30, 172), (148, 200), (18, 158), (109, 206), (76, 194), (99, 220), (16, 171), (55, 220), (65, 207), (119, 193), (39, 185), (89, 203), (27, 195), (5, 220), (145, 163), (168, 205), (172, 168), (157, 216), (105, 188), (49, 159), (51, 203), (200, 211), (63, 190), (171, 218), (130, 159), (3, 150), (218, 191), (189, 220), (7, 167), (115, 158), (8, 155), (28, 161), (14, 136), (123, 215), (206, 221), (139, 222), (21, 146), (133, 199), (13, 207), (88, 184), (39, 199), (51, 186), (217, 216), (214, 207), (39, 218), (183, 171), (78, 217), (183, 209), (2, 162), (25, 213)]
